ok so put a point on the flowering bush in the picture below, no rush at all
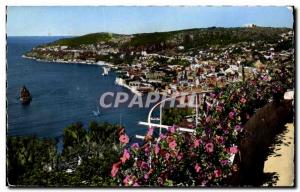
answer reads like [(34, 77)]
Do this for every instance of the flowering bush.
[(202, 158)]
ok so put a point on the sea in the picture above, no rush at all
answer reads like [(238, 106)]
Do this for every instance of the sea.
[(62, 94)]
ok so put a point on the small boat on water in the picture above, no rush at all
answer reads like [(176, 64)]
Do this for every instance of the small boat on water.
[(105, 70), (97, 113), (25, 96)]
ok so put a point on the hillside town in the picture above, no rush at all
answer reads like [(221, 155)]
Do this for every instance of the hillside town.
[(185, 71)]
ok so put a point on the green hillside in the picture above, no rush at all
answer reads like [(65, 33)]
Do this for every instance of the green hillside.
[(189, 38), (85, 39), (205, 37)]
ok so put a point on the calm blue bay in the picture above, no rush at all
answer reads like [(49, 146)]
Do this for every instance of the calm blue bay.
[(62, 94)]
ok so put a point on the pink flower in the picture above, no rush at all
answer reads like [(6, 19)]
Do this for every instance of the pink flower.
[(196, 143), (115, 169), (243, 100), (144, 165), (162, 136), (197, 168), (209, 147), (146, 176), (135, 146), (180, 155), (173, 144), (224, 162), (219, 108), (219, 139), (233, 149), (217, 172), (266, 78), (125, 156), (156, 149), (124, 139), (231, 115), (135, 185), (167, 156), (208, 118), (147, 149), (126, 180), (170, 139), (226, 132), (237, 127), (212, 95), (150, 131), (172, 129), (160, 181)]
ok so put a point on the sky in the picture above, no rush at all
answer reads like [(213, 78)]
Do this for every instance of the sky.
[(73, 21)]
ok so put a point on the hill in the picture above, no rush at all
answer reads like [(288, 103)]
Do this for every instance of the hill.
[(85, 39), (189, 38)]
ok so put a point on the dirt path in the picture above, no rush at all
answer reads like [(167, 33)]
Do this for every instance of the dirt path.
[(279, 165)]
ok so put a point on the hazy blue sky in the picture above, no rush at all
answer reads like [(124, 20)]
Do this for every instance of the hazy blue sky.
[(43, 21)]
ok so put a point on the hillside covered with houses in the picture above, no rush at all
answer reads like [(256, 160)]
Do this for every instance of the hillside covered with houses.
[(177, 61)]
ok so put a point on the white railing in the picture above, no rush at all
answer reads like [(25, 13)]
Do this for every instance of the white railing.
[(180, 129), (160, 104)]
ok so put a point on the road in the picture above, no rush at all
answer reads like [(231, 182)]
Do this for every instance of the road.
[(280, 163)]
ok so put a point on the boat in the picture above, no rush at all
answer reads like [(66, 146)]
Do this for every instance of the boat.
[(105, 70), (97, 113), (25, 96)]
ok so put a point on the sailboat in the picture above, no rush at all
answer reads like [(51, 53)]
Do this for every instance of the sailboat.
[(97, 113), (105, 70), (25, 96)]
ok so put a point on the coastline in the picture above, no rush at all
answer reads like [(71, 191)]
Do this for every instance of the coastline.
[(99, 63), (119, 81)]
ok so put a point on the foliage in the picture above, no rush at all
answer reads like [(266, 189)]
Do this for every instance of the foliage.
[(203, 158), (85, 160), (181, 62), (116, 59), (27, 157), (175, 115), (85, 39)]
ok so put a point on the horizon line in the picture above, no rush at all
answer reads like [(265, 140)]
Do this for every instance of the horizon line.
[(65, 35)]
